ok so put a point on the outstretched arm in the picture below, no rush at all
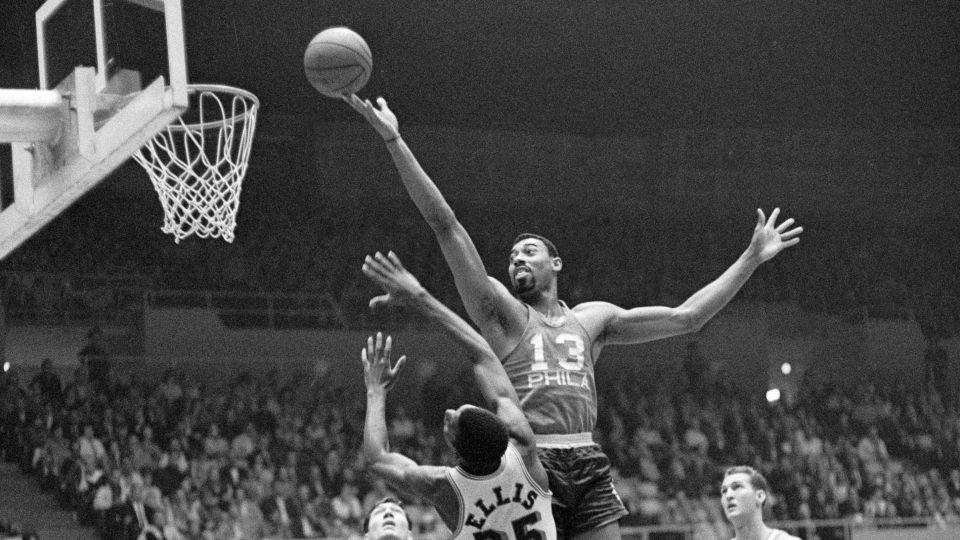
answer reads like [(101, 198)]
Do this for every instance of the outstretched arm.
[(402, 287), (396, 469), (617, 325), (485, 298)]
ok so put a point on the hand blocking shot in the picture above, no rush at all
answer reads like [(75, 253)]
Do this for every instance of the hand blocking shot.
[(499, 488)]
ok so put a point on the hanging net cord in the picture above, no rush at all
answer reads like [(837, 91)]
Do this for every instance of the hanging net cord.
[(197, 169)]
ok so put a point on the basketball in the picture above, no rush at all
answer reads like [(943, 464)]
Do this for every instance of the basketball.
[(337, 61)]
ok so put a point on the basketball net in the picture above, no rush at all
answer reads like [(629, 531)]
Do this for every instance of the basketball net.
[(197, 168)]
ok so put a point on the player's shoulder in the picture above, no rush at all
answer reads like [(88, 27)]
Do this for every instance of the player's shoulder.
[(593, 305), (529, 460), (595, 317), (595, 311)]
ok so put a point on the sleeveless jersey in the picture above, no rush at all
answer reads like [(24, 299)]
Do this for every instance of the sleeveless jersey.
[(552, 371), (504, 505), (777, 534)]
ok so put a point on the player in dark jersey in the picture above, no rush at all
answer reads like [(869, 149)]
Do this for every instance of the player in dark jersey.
[(743, 494), (549, 349)]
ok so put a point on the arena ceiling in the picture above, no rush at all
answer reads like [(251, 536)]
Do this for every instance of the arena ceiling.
[(585, 66)]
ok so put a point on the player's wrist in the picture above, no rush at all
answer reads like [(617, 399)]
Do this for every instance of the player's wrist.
[(391, 138), (376, 391), (752, 256)]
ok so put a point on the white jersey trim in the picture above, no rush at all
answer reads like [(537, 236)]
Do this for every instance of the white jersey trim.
[(564, 440), (526, 473), (461, 507)]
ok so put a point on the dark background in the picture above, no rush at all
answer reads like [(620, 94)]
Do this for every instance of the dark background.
[(845, 113), (585, 67)]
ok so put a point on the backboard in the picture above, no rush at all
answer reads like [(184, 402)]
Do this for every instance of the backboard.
[(112, 74)]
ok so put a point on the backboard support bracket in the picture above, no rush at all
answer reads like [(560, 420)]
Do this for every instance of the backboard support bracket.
[(65, 140)]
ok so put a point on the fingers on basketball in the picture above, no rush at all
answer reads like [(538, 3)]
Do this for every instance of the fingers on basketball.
[(338, 61)]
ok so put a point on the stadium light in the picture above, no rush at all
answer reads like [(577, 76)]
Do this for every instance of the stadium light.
[(773, 395), (786, 368)]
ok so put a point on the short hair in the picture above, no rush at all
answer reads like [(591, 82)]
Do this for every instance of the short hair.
[(551, 249), (385, 500), (757, 481), (482, 438)]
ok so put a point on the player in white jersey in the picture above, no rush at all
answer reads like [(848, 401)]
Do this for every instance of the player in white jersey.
[(556, 389), (743, 494), (499, 489)]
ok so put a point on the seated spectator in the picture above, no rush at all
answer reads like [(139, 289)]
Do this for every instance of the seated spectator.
[(214, 445), (47, 383), (346, 506), (244, 443), (88, 447)]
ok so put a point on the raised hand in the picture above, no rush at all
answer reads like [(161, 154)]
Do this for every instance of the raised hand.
[(770, 238), (377, 372), (382, 119), (388, 272)]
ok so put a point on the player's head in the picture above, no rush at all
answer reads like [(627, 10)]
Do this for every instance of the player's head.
[(743, 493), (387, 520), (533, 264), (478, 436)]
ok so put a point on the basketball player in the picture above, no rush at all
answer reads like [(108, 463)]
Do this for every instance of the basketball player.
[(548, 349), (743, 494), (387, 520), (498, 490)]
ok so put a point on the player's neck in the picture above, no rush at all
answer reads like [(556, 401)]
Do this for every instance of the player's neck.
[(753, 529), (545, 302), (482, 469)]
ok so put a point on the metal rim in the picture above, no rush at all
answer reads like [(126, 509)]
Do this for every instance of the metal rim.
[(222, 89)]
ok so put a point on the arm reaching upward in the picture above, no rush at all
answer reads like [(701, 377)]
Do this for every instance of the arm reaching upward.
[(402, 287), (398, 470), (617, 325), (488, 302)]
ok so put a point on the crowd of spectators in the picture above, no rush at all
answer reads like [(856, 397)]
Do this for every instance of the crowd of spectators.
[(836, 451), (264, 457), (278, 458), (181, 459)]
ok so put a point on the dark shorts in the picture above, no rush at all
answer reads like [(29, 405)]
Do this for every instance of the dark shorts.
[(583, 493)]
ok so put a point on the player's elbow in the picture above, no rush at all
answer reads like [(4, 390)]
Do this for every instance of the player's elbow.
[(689, 321), (371, 454)]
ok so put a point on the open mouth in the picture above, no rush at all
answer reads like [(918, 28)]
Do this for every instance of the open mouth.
[(521, 271)]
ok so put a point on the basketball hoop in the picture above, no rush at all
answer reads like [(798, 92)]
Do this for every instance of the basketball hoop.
[(197, 165)]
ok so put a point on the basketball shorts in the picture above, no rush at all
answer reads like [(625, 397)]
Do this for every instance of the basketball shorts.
[(583, 494)]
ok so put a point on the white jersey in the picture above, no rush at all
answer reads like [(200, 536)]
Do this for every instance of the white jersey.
[(777, 534), (506, 504)]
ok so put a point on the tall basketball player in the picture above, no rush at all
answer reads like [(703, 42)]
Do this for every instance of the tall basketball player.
[(548, 349), (499, 488), (743, 494)]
